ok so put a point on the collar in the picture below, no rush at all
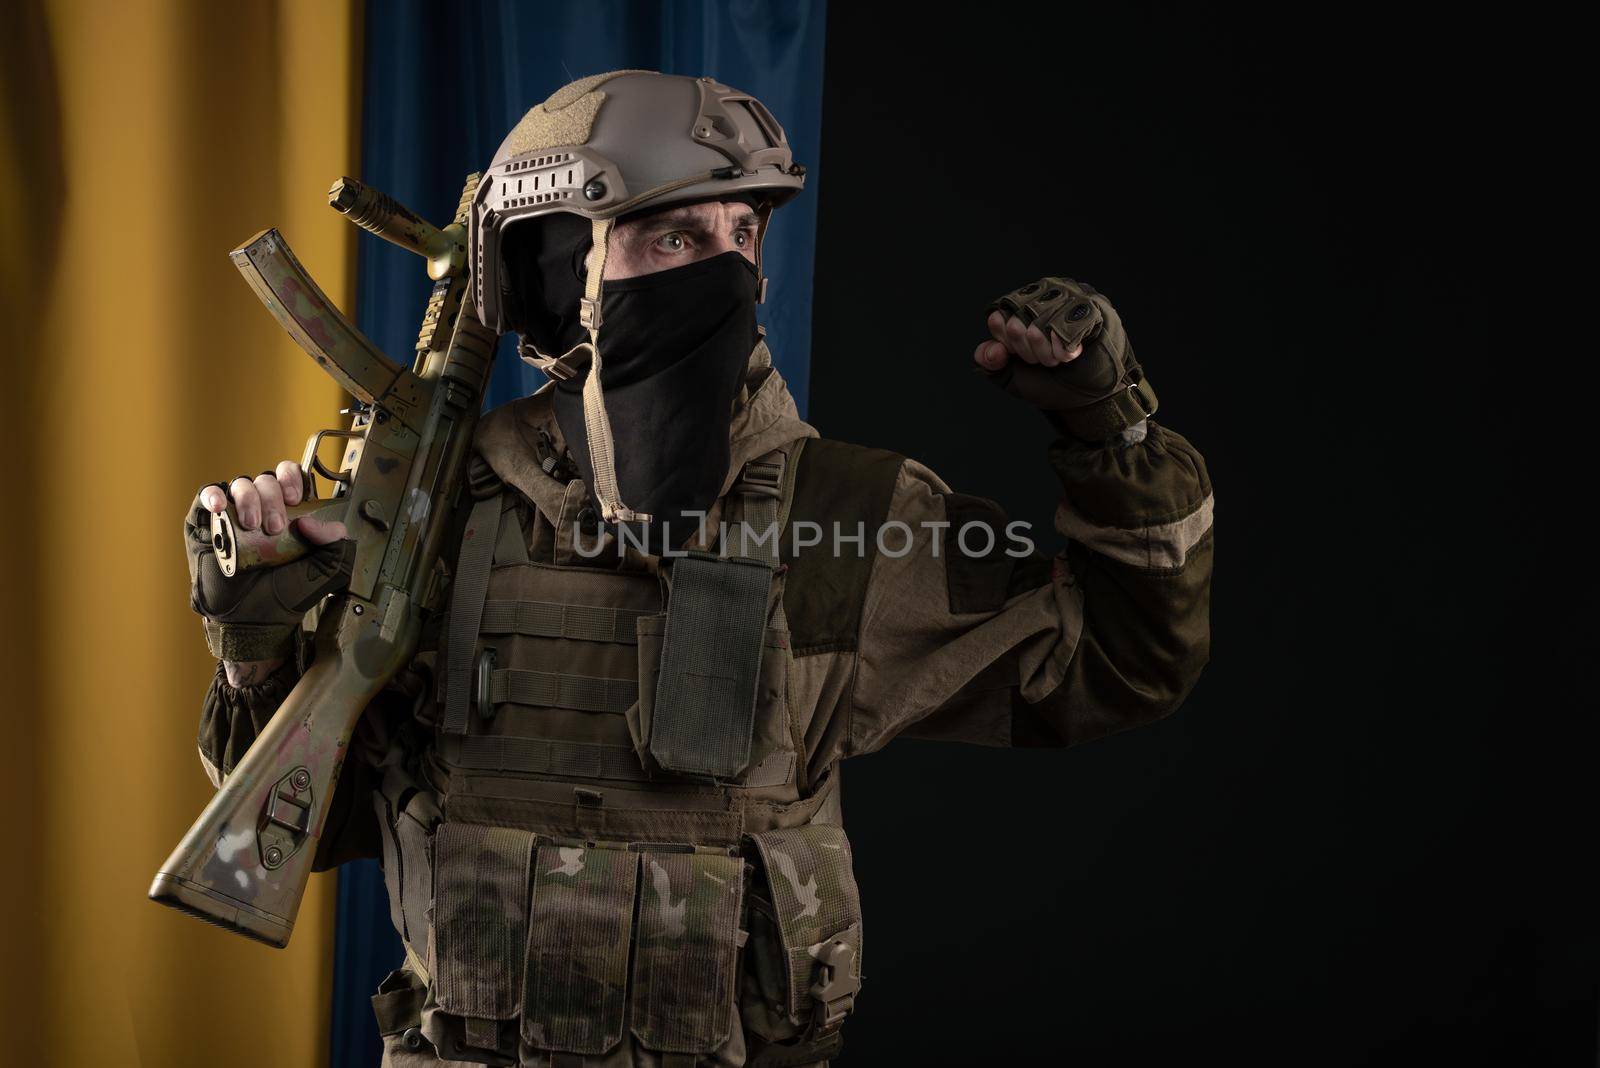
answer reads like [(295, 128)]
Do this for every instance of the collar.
[(765, 418)]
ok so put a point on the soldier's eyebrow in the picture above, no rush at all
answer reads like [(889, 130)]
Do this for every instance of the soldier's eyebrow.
[(684, 218)]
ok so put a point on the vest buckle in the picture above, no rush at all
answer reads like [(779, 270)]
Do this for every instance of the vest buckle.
[(760, 477), (589, 313), (482, 481), (836, 986), (484, 672)]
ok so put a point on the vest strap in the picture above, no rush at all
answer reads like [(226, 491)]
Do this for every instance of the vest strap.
[(466, 608), (760, 490), (555, 689), (398, 1003), (775, 770), (511, 548)]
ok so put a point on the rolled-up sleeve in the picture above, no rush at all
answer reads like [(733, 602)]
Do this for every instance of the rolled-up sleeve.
[(969, 633), (232, 716)]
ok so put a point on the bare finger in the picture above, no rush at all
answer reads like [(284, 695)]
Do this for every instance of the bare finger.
[(1062, 353), (1039, 345), (990, 354), (997, 326), (273, 519), (1017, 340), (214, 499), (292, 481), (246, 503), (319, 531)]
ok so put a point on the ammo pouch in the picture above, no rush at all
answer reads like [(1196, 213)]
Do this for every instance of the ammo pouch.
[(705, 696), (805, 933), (532, 938), (407, 817)]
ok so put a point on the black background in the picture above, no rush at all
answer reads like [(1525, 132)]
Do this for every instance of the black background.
[(1350, 846)]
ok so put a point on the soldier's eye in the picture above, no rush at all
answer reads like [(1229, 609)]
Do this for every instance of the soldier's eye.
[(672, 242)]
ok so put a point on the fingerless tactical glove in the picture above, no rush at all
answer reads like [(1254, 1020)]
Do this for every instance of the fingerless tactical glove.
[(1094, 397), (253, 615)]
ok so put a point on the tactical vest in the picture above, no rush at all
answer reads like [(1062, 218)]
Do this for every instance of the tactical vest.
[(606, 856)]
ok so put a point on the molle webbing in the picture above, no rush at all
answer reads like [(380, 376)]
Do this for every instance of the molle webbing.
[(552, 619), (471, 583), (553, 689), (586, 760), (713, 647), (545, 619)]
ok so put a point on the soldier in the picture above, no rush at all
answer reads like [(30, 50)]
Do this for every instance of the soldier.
[(600, 848)]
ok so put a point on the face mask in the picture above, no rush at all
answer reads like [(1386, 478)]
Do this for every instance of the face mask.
[(675, 345)]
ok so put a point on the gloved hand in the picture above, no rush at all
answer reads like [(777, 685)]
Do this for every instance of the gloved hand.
[(1060, 346), (253, 615)]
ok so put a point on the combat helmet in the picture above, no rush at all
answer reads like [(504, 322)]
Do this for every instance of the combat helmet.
[(606, 146)]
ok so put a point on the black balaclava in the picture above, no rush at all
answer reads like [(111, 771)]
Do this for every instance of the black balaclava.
[(675, 344)]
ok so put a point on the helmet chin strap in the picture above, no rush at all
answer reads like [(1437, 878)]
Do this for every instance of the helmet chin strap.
[(596, 422), (602, 453), (763, 214)]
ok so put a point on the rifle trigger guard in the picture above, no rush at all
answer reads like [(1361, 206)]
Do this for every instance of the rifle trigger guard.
[(312, 461)]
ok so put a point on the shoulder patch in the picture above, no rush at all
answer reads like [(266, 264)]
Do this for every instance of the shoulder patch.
[(823, 592)]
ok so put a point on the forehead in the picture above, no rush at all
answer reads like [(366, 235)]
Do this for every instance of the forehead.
[(704, 214)]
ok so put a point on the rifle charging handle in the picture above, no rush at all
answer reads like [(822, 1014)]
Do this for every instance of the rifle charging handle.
[(445, 250)]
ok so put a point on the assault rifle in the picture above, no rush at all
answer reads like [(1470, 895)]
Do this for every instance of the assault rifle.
[(244, 863)]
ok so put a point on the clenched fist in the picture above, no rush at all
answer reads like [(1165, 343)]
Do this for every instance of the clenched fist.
[(1026, 341), (1059, 345)]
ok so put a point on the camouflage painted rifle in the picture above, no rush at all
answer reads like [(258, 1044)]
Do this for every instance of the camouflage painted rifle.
[(244, 863)]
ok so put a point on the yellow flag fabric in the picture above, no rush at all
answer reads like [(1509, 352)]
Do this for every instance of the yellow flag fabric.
[(139, 143)]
